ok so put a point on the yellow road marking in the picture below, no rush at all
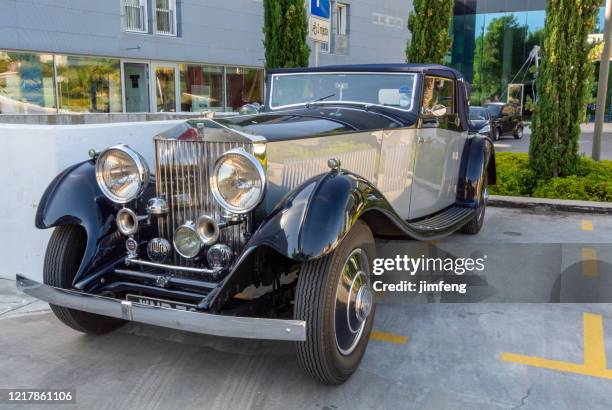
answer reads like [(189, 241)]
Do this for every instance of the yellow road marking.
[(589, 262), (388, 337), (594, 353), (587, 225)]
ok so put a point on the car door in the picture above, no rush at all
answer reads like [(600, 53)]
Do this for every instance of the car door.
[(436, 163), (507, 118)]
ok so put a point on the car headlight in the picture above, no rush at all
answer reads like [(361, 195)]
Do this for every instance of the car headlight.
[(186, 241), (238, 181), (484, 130), (122, 174)]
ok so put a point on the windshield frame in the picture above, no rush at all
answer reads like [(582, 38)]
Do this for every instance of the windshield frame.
[(331, 102)]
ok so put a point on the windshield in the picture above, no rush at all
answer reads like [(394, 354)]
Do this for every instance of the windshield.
[(494, 109), (391, 90), (478, 114)]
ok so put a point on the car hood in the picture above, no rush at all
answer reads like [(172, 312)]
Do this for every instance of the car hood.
[(476, 125), (317, 120)]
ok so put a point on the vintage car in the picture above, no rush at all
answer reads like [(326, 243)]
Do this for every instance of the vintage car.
[(263, 225)]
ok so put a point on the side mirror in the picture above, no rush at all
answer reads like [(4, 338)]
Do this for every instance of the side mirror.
[(250, 109)]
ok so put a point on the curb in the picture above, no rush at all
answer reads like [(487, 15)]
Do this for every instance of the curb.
[(564, 205)]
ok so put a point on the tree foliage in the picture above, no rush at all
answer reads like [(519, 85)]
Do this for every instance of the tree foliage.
[(563, 85), (429, 24), (285, 30)]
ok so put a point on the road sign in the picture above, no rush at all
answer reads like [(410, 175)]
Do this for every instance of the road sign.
[(320, 8), (319, 29)]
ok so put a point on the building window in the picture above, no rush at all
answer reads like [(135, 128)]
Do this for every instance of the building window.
[(135, 15), (88, 84), (26, 83), (341, 19), (165, 17), (340, 28), (244, 86), (201, 88)]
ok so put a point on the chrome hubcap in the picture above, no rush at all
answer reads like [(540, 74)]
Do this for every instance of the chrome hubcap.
[(363, 303), (354, 301)]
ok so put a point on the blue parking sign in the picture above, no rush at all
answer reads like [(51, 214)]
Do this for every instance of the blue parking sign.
[(320, 8)]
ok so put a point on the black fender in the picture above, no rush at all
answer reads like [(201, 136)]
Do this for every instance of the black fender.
[(478, 156), (74, 198), (308, 223)]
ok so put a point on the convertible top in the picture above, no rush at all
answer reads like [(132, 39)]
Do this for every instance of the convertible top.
[(433, 69)]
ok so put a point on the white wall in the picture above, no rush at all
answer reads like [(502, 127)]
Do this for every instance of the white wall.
[(30, 157)]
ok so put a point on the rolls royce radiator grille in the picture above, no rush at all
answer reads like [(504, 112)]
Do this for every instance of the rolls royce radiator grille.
[(183, 170)]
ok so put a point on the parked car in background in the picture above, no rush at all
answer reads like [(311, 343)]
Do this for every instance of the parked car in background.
[(507, 120), (481, 122), (262, 226)]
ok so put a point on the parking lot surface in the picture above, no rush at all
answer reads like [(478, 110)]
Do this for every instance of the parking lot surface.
[(487, 355), (585, 142)]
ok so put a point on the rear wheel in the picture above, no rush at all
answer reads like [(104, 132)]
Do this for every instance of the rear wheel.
[(335, 298), (62, 259)]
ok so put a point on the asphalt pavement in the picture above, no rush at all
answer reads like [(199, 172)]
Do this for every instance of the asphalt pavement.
[(585, 142), (423, 354)]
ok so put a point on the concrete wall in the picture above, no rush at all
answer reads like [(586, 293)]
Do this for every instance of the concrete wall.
[(31, 156), (212, 31)]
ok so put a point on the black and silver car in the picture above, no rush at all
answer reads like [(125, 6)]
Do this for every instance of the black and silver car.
[(481, 121), (263, 225), (507, 120)]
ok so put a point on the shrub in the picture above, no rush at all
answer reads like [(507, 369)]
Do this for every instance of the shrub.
[(592, 182)]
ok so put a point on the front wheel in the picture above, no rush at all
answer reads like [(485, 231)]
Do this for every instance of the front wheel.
[(62, 259), (518, 134), (496, 134), (335, 298)]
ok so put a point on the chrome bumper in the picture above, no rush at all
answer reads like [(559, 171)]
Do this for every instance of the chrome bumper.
[(206, 323)]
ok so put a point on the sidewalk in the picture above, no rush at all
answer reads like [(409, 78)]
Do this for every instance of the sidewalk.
[(14, 303)]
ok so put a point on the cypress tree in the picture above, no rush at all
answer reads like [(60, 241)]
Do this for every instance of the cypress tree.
[(429, 24), (285, 30), (563, 86)]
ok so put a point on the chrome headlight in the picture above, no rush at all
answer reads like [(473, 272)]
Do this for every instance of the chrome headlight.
[(122, 174), (484, 130), (186, 241), (238, 181)]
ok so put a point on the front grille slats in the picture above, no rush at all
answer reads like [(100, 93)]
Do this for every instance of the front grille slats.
[(183, 171)]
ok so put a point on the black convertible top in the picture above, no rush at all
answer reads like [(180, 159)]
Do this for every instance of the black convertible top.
[(433, 69)]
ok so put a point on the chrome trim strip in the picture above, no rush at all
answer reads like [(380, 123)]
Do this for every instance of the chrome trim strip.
[(205, 323), (140, 262)]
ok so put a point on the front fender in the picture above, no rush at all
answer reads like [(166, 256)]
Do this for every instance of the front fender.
[(74, 198), (314, 218)]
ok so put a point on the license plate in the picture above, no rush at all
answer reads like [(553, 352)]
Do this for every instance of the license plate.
[(162, 303)]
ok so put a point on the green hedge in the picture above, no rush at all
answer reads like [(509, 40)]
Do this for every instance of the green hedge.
[(592, 182)]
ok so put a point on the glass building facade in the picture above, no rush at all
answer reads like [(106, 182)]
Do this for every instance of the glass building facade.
[(493, 40), (44, 83)]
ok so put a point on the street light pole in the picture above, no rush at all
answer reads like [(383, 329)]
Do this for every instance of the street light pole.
[(602, 85)]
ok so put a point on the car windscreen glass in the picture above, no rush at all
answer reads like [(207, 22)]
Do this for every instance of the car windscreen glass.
[(478, 114), (495, 109), (390, 90)]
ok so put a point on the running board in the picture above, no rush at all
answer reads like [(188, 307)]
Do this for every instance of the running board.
[(448, 220)]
